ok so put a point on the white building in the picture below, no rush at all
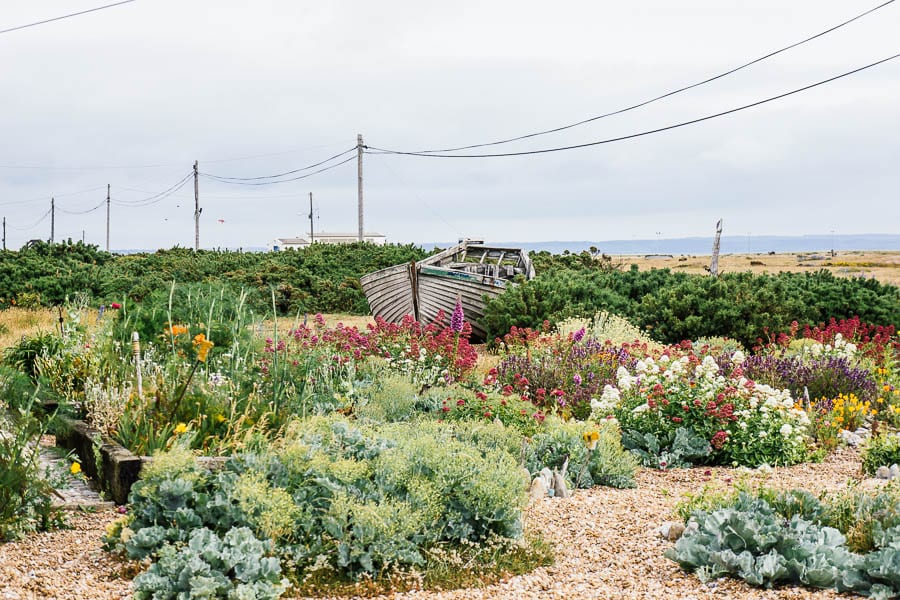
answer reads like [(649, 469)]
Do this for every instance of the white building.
[(287, 243)]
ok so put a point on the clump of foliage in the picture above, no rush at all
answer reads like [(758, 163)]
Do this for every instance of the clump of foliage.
[(328, 497), (685, 408), (847, 541), (594, 453), (558, 374), (882, 450), (25, 490), (605, 327), (321, 278), (675, 306)]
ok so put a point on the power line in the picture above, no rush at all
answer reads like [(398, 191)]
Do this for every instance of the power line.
[(301, 169), (36, 223), (159, 196), (322, 170), (43, 198), (83, 12), (667, 94), (642, 133), (83, 212)]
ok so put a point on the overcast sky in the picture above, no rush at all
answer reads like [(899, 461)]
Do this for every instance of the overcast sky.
[(132, 95)]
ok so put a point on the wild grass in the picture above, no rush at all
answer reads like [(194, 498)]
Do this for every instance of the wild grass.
[(18, 322)]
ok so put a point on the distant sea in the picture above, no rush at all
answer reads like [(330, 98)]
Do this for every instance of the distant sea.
[(731, 244), (759, 244)]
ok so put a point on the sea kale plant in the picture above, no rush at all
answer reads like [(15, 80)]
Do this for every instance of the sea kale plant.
[(328, 496), (848, 541)]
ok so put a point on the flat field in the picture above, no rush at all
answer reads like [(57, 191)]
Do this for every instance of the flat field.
[(881, 265)]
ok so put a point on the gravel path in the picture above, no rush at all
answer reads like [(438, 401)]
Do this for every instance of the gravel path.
[(606, 541)]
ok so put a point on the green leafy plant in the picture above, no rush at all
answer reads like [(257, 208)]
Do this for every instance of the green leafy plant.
[(882, 450), (26, 492)]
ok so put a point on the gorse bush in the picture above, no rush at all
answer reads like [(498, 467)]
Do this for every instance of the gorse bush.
[(321, 278), (676, 306)]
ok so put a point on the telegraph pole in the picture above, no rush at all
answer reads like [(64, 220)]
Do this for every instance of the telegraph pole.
[(311, 235), (4, 234), (52, 218), (359, 171), (196, 207), (107, 217)]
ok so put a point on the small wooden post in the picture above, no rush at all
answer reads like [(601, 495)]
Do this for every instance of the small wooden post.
[(714, 263), (136, 350)]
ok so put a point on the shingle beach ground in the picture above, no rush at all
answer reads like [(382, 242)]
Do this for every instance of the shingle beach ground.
[(606, 543)]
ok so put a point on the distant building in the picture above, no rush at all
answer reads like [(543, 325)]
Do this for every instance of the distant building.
[(279, 244)]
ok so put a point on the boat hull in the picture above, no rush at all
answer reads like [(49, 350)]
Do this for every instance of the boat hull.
[(426, 288)]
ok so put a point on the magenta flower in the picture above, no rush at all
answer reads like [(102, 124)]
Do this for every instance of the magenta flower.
[(578, 335), (457, 318)]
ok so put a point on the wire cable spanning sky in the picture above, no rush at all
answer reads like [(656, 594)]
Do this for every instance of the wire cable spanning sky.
[(61, 17), (155, 94)]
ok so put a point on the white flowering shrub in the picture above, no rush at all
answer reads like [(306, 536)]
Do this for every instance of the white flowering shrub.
[(685, 407)]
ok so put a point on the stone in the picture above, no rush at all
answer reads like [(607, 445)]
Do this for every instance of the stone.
[(671, 531), (538, 490), (883, 473), (547, 475), (851, 439), (895, 471), (559, 486)]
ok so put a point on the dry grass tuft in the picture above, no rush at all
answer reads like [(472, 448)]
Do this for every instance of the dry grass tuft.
[(18, 322)]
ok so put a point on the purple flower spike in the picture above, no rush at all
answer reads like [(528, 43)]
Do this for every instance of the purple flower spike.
[(457, 318), (578, 335)]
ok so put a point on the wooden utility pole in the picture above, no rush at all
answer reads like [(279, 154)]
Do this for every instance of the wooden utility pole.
[(107, 217), (311, 235), (359, 171), (4, 234), (196, 206), (714, 263), (52, 218)]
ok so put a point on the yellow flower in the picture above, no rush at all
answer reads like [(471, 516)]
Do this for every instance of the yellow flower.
[(75, 468), (220, 418), (180, 428), (202, 346)]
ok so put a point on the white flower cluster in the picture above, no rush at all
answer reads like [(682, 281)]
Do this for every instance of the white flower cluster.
[(608, 401), (840, 348)]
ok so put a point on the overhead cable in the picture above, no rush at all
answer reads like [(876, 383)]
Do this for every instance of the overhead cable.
[(83, 12), (159, 196), (82, 212), (667, 94), (36, 223), (301, 169), (375, 150), (322, 170)]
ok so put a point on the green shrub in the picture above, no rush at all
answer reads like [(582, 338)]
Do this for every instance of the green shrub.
[(607, 464), (23, 354), (676, 306), (25, 491), (391, 397), (882, 450), (329, 495)]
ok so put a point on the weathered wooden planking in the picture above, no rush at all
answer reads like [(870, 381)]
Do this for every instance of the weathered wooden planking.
[(432, 285)]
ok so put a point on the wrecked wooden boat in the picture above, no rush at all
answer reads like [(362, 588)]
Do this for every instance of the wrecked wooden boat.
[(469, 271)]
